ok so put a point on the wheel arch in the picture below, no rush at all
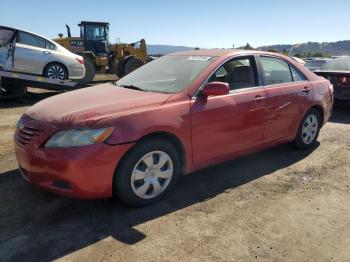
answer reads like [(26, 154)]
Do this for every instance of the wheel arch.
[(166, 136), (320, 110)]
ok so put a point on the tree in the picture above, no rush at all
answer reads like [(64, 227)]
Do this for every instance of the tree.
[(248, 47), (273, 50)]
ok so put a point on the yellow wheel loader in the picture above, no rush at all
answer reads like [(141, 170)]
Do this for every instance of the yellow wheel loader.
[(99, 55)]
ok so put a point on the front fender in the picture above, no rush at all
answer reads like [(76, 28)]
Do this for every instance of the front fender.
[(173, 118)]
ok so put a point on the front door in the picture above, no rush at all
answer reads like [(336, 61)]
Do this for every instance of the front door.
[(228, 124), (31, 54)]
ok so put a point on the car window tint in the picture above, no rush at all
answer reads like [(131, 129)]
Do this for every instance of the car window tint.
[(297, 76), (32, 40), (238, 73), (276, 71), (50, 46)]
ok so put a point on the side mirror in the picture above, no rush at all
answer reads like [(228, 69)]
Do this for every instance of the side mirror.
[(215, 89)]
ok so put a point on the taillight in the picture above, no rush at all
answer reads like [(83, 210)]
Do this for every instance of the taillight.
[(344, 81), (80, 59)]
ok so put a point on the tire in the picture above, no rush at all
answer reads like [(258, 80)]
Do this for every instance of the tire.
[(137, 180), (131, 64), (309, 130), (90, 72), (55, 71)]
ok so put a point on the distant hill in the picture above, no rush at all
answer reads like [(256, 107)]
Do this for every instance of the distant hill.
[(332, 48), (166, 49)]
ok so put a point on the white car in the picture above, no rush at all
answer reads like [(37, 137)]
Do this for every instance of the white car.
[(26, 52)]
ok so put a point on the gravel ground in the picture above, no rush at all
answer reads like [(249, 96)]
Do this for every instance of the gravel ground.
[(276, 205)]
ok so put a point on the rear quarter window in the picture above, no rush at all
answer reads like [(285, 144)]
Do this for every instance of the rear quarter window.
[(297, 75)]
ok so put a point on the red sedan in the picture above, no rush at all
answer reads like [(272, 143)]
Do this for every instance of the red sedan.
[(180, 113)]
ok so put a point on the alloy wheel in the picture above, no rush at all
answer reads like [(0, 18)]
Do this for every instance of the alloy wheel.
[(56, 72)]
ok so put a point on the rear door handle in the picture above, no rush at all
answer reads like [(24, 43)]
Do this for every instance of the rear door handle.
[(259, 98), (306, 90), (47, 52)]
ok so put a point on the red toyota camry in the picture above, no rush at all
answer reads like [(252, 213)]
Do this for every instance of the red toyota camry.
[(177, 114)]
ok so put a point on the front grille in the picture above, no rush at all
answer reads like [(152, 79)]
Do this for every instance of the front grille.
[(25, 134), (30, 132)]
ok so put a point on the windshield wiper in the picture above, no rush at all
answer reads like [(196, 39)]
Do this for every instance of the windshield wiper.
[(131, 87)]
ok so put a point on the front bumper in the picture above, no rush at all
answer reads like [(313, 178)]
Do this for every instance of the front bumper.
[(78, 172)]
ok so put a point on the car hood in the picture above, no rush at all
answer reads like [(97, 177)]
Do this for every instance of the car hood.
[(84, 107)]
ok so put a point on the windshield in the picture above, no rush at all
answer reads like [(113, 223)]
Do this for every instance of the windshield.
[(95, 32), (168, 74), (315, 63), (337, 65)]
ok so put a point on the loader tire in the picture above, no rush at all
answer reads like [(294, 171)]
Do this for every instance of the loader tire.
[(90, 73), (132, 64)]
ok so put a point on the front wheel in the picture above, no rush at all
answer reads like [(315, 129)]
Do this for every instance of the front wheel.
[(147, 173), (308, 130)]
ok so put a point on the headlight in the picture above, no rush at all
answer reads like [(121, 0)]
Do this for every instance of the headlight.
[(79, 137)]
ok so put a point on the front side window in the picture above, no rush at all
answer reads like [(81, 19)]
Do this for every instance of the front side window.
[(5, 36), (238, 73), (276, 71), (32, 40)]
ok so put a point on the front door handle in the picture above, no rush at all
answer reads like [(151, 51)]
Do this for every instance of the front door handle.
[(306, 90), (259, 98)]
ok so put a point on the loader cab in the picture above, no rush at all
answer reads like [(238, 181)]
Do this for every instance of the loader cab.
[(95, 36)]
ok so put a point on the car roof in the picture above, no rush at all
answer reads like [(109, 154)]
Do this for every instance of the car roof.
[(221, 52), (12, 28)]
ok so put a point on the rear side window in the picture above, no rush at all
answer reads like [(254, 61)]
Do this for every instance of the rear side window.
[(276, 71), (31, 40)]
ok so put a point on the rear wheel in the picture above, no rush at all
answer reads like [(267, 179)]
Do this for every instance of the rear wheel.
[(308, 130), (132, 64), (147, 173), (55, 71)]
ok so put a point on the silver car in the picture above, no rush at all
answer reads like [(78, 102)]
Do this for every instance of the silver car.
[(26, 52)]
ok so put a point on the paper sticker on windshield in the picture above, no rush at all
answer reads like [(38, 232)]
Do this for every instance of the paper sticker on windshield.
[(198, 58)]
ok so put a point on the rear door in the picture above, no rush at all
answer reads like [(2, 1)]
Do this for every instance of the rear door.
[(7, 38), (288, 94), (31, 53), (228, 124)]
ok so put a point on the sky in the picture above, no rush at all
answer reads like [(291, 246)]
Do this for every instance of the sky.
[(202, 23)]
